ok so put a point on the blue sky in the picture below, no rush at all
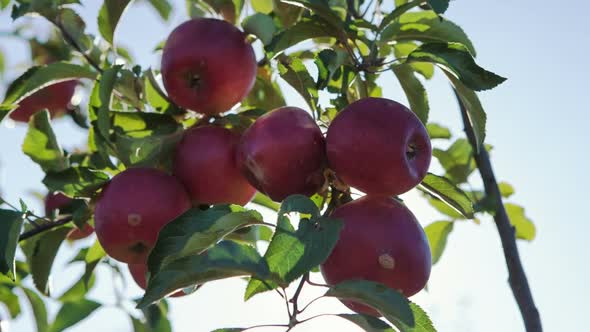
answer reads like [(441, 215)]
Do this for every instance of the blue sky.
[(537, 123)]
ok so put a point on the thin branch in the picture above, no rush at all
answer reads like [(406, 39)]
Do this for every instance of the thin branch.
[(70, 40), (516, 275), (266, 325), (310, 303), (44, 227)]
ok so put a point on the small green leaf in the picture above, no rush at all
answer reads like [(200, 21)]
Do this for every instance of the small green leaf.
[(437, 131), (437, 234), (446, 191), (321, 8), (477, 116), (300, 204), (425, 26), (75, 181), (2, 64), (196, 230), (10, 301), (456, 59), (445, 209), (263, 200), (295, 73), (260, 25), (10, 227), (390, 303), (402, 49), (304, 29), (226, 259), (163, 7), (368, 323), (397, 12), (71, 313), (414, 91), (525, 229), (439, 6), (41, 144), (40, 251), (92, 258), (156, 319), (457, 160), (108, 17), (40, 76), (328, 62), (262, 6), (39, 310), (266, 95), (423, 322), (506, 189)]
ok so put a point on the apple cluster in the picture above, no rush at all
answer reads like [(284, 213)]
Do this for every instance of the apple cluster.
[(375, 145)]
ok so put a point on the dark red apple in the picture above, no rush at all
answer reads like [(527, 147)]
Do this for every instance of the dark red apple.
[(132, 209), (283, 153), (139, 271), (205, 163), (379, 147), (381, 241), (55, 98), (54, 201), (208, 66)]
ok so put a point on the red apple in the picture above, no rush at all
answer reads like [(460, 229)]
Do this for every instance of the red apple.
[(132, 209), (379, 147), (55, 98), (208, 66), (283, 153), (139, 271), (54, 201), (205, 164), (381, 241)]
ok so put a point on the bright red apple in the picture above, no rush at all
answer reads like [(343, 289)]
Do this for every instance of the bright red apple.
[(283, 153), (205, 163), (55, 98), (139, 271), (208, 66), (381, 241), (132, 209), (378, 146)]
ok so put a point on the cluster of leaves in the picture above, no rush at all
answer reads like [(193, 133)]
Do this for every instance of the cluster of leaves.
[(131, 122)]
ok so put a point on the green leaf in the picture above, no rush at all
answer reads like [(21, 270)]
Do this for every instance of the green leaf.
[(71, 313), (525, 229), (263, 200), (437, 234), (368, 323), (156, 319), (163, 7), (403, 48), (425, 26), (266, 95), (2, 64), (10, 227), (457, 160), (295, 73), (414, 91), (506, 189), (40, 251), (390, 303), (101, 120), (306, 28), (300, 204), (456, 59), (40, 76), (226, 259), (397, 12), (423, 322), (78, 290), (321, 8), (445, 209), (39, 310), (477, 116), (328, 62), (76, 181), (437, 131), (196, 230), (108, 17), (446, 191), (92, 258), (41, 144), (291, 253), (262, 6), (439, 6), (260, 25), (4, 4), (10, 301)]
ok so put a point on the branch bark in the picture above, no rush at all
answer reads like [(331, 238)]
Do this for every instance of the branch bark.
[(44, 227), (516, 276)]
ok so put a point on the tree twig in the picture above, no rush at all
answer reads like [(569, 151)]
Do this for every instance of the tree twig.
[(516, 276), (44, 227)]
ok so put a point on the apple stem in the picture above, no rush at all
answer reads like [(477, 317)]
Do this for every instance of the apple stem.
[(516, 275)]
